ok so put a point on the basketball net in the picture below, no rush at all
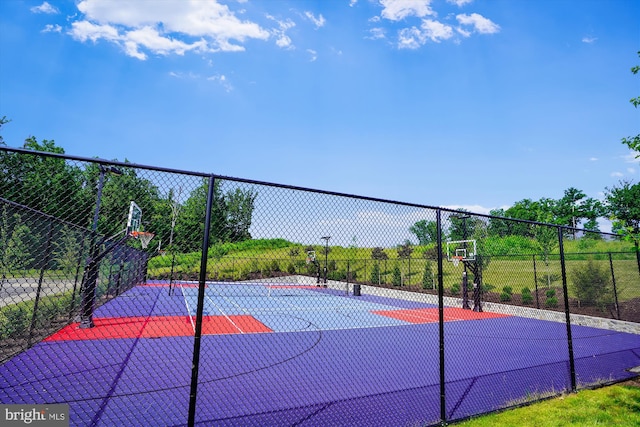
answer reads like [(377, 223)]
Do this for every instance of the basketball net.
[(456, 260), (143, 236)]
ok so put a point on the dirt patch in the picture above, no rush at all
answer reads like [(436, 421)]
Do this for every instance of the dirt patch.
[(633, 382)]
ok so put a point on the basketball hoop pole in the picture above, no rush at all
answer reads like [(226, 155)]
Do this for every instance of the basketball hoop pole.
[(326, 255), (90, 278)]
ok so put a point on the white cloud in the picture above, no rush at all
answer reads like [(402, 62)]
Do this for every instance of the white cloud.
[(45, 8), (181, 75), (436, 31), (593, 159), (352, 2), (413, 38), (222, 80), (413, 35), (318, 22), (479, 23), (410, 38), (396, 10), (284, 41), (280, 33), (151, 39), (377, 33), (84, 30), (49, 28), (589, 40), (617, 174), (164, 28), (313, 54), (631, 171)]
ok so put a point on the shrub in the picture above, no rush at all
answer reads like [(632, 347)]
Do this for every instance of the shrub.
[(291, 269), (552, 302), (527, 298), (396, 279), (507, 290), (274, 266), (592, 284), (375, 274), (548, 279), (378, 253), (487, 287), (455, 289), (430, 253), (551, 293), (427, 276), (504, 297), (15, 321)]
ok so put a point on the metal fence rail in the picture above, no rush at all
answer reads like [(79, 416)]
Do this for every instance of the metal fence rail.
[(265, 304)]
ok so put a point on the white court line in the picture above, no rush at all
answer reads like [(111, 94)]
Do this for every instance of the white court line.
[(223, 313), (219, 309), (193, 325)]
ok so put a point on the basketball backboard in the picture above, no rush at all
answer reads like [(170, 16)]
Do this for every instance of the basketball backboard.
[(134, 221), (461, 250)]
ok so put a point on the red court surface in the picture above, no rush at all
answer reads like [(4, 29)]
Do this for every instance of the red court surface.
[(157, 327), (430, 315)]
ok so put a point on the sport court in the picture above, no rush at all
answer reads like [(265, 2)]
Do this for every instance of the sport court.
[(299, 354)]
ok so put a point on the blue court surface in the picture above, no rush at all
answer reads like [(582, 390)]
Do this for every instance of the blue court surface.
[(288, 354)]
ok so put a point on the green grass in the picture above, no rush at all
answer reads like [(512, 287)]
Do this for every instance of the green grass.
[(238, 261), (617, 405)]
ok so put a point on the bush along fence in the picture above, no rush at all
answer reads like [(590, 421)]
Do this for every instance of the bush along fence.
[(264, 304), (43, 263)]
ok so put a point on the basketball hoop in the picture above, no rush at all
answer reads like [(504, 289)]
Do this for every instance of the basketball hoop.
[(456, 260), (143, 236), (311, 257)]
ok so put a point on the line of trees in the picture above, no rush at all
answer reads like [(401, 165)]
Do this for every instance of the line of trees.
[(68, 191), (574, 210)]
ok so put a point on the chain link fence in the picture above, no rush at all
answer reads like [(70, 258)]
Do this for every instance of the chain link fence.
[(264, 304)]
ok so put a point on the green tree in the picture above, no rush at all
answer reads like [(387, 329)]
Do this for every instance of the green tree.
[(15, 250), (375, 273), (428, 278), (425, 232), (527, 210), (499, 227), (47, 184), (231, 215), (592, 284), (404, 253), (633, 142), (117, 193), (574, 207), (396, 277), (237, 212), (546, 238), (67, 249), (379, 254), (462, 226), (623, 205), (3, 121)]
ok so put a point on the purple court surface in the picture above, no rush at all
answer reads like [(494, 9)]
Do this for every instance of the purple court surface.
[(288, 355)]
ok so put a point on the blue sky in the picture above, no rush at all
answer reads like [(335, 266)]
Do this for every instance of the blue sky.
[(457, 103)]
